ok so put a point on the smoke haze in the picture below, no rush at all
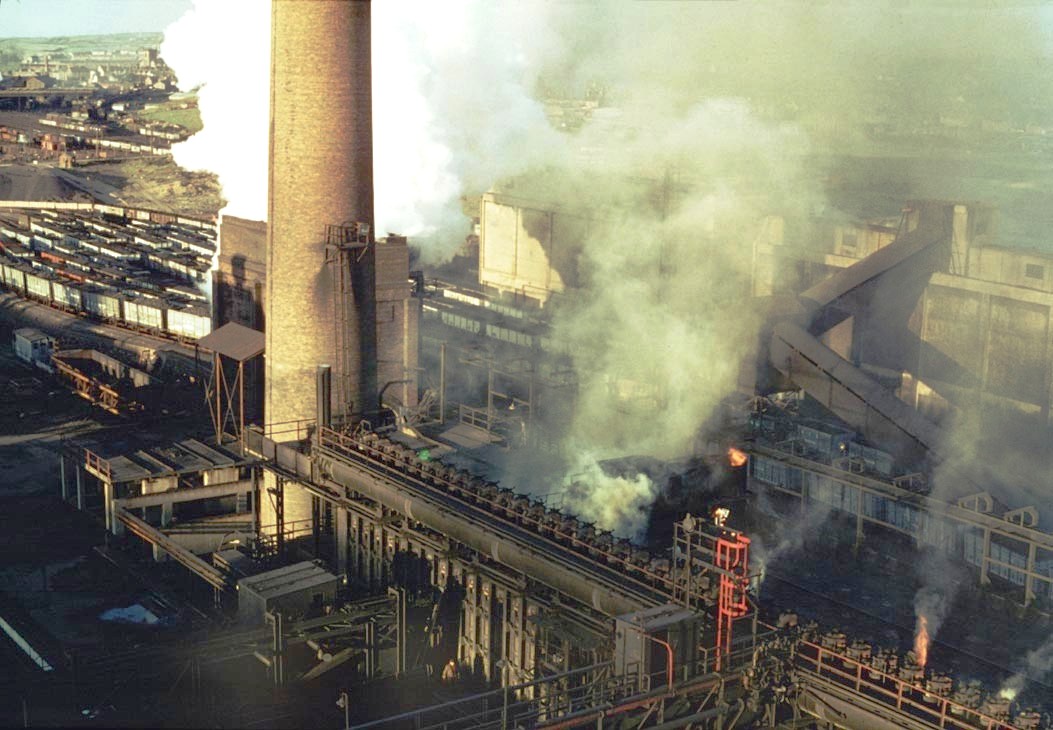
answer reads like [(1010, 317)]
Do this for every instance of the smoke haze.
[(455, 84), (717, 108), (789, 538)]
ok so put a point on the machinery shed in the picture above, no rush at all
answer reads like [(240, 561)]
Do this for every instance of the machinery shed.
[(33, 346), (294, 589)]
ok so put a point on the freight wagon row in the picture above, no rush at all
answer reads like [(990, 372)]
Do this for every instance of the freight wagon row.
[(149, 314)]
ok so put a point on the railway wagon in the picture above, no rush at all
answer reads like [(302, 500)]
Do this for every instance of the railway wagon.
[(101, 303), (66, 295), (189, 322), (14, 278), (144, 312), (193, 293), (38, 286)]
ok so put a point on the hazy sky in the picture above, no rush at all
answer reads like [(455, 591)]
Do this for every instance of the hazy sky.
[(28, 18)]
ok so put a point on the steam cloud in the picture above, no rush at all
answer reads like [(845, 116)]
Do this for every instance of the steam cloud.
[(614, 502), (232, 70), (453, 111), (449, 103)]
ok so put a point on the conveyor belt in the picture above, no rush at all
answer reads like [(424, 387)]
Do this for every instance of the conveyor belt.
[(573, 573), (180, 554)]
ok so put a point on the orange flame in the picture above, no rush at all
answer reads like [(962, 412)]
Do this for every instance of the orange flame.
[(736, 457), (921, 642)]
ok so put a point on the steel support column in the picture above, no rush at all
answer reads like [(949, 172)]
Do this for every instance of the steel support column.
[(62, 476), (340, 541)]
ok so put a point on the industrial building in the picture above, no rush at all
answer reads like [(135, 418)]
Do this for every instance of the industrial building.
[(970, 327)]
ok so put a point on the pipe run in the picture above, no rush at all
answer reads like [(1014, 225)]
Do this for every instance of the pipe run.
[(669, 659)]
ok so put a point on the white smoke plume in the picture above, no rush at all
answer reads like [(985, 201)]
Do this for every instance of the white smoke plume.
[(451, 107), (695, 159), (617, 503), (453, 111), (661, 319), (968, 466), (942, 580), (223, 49), (454, 82)]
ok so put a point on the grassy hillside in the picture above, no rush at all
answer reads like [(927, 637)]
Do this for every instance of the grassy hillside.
[(189, 118)]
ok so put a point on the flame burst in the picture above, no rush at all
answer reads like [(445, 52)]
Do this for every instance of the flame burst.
[(921, 642), (736, 457), (720, 516)]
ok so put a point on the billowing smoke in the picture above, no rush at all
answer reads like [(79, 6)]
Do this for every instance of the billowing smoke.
[(453, 111), (613, 502), (696, 149), (662, 320), (455, 83), (223, 50), (451, 107)]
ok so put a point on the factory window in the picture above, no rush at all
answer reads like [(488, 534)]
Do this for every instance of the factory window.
[(768, 470), (1035, 271), (874, 506), (849, 497), (972, 547)]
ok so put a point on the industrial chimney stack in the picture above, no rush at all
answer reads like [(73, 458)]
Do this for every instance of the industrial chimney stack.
[(321, 163), (320, 175)]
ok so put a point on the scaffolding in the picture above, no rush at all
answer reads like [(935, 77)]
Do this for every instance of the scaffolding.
[(704, 551)]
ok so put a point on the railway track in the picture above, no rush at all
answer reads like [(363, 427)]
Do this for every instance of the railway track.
[(67, 326)]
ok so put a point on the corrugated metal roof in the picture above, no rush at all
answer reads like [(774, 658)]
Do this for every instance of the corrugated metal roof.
[(30, 334), (289, 579), (235, 341)]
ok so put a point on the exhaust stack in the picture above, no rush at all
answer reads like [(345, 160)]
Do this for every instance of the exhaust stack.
[(321, 173)]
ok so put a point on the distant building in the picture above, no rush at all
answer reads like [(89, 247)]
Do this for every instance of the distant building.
[(528, 248), (36, 82), (147, 57), (31, 83), (975, 326)]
